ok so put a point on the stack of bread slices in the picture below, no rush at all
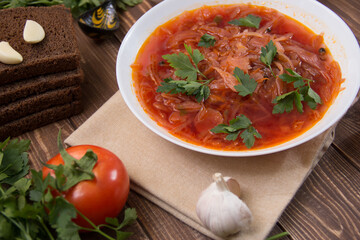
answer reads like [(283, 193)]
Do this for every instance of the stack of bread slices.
[(46, 86)]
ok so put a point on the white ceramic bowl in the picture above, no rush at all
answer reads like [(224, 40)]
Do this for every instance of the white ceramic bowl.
[(338, 37)]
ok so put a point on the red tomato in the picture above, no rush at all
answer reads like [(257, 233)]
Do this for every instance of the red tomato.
[(99, 198)]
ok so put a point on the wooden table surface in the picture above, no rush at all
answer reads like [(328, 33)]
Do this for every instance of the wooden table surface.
[(327, 206)]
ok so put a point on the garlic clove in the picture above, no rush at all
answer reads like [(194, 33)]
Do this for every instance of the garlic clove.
[(8, 55), (233, 186), (221, 211), (33, 32)]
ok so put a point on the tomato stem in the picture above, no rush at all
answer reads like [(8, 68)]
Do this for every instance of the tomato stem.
[(95, 228), (90, 173)]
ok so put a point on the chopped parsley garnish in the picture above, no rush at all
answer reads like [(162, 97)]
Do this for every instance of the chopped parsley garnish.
[(236, 125), (200, 90), (248, 84), (248, 21), (207, 40), (188, 70), (267, 55), (302, 92)]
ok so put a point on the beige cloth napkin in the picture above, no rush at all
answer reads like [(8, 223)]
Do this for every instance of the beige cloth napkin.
[(173, 177)]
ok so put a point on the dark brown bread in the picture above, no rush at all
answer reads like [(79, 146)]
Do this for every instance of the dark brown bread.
[(58, 51), (36, 103), (22, 89), (39, 119)]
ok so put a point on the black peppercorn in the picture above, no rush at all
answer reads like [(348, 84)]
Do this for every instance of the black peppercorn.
[(322, 51), (268, 30)]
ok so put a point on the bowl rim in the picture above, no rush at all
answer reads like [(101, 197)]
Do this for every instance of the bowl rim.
[(191, 4)]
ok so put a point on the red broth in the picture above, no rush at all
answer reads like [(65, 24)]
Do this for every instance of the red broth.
[(298, 48)]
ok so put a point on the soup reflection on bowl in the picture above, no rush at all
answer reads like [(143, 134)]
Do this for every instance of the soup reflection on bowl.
[(238, 79)]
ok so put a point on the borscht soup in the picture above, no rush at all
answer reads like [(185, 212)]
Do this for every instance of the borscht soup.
[(235, 77)]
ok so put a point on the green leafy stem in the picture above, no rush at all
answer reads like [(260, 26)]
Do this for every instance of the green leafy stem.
[(302, 92), (239, 126), (186, 67)]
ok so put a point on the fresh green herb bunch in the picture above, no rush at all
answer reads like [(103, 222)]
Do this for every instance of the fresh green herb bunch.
[(77, 6), (25, 3), (23, 200)]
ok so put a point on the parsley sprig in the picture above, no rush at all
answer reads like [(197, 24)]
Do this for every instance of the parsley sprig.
[(248, 21), (241, 125), (302, 92), (207, 41), (186, 67), (199, 89), (247, 84), (267, 55)]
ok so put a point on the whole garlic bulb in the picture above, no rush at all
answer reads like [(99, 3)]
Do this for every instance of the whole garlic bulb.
[(220, 210)]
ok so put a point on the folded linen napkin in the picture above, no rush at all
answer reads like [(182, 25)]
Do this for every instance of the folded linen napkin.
[(173, 177)]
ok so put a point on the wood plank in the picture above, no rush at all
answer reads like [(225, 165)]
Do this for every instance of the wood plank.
[(135, 228), (327, 205), (128, 18), (159, 224), (348, 133)]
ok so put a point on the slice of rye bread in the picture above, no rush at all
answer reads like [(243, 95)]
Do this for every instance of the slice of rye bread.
[(22, 89), (58, 52), (39, 119), (37, 103)]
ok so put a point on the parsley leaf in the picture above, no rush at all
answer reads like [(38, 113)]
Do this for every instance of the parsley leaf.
[(248, 21), (13, 160), (302, 92), (182, 64), (60, 217), (267, 54), (130, 3), (313, 95), (195, 56), (285, 102), (248, 136), (248, 84), (207, 40), (234, 129), (129, 218), (200, 90), (296, 78), (20, 218)]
